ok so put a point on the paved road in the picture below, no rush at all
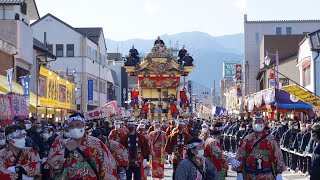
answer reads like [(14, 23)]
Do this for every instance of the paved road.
[(232, 175)]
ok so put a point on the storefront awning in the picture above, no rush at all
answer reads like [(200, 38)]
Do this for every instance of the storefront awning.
[(17, 88), (303, 95)]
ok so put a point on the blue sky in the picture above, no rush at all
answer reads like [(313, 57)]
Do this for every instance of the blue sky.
[(127, 19)]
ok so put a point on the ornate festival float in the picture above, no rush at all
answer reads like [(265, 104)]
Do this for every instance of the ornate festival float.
[(159, 93)]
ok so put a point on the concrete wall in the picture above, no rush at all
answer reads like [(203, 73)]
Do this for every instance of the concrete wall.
[(253, 33)]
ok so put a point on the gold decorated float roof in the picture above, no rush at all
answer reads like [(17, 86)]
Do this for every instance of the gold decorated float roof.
[(159, 62)]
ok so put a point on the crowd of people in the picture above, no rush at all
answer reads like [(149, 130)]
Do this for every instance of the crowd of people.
[(125, 148)]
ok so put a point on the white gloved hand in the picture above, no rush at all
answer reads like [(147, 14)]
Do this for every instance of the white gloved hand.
[(239, 176), (12, 169), (229, 155), (144, 163), (43, 160), (169, 157), (25, 177), (235, 163), (279, 177)]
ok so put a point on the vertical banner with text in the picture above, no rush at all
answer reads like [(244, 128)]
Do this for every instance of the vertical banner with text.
[(90, 91), (238, 77), (25, 80)]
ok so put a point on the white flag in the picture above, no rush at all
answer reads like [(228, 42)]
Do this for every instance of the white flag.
[(9, 77)]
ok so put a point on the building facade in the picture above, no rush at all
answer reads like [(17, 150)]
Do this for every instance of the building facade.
[(16, 36), (253, 35), (309, 62), (81, 53)]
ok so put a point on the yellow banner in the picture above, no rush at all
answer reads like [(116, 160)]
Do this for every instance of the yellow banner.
[(55, 91), (303, 95)]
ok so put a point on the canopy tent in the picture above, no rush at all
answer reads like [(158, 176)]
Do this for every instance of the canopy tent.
[(274, 97), (303, 95)]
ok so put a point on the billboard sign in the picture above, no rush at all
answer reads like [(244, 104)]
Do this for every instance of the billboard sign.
[(229, 69)]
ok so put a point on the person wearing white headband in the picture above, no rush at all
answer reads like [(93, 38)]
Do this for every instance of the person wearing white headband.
[(81, 156), (176, 145), (259, 154), (117, 133), (214, 151), (205, 131), (195, 165), (158, 140), (138, 148), (18, 161)]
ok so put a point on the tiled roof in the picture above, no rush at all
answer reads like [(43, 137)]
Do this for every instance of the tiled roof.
[(92, 33), (11, 1)]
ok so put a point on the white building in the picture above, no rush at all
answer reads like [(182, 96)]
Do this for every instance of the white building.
[(309, 62), (16, 33), (81, 51), (253, 35)]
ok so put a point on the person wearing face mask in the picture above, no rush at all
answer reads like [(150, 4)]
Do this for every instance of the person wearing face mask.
[(287, 142), (141, 129), (81, 156), (205, 133), (315, 159), (195, 165), (259, 155), (278, 131), (158, 140), (172, 127), (117, 133), (118, 151), (34, 134), (45, 137), (16, 160), (176, 145), (137, 147), (214, 152), (66, 132)]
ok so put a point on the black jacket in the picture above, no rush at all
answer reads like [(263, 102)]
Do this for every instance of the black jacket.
[(35, 136), (305, 141), (288, 138), (315, 163), (134, 53), (188, 61), (297, 141), (182, 53)]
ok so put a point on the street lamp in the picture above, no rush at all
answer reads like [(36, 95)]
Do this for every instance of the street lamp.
[(267, 60)]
